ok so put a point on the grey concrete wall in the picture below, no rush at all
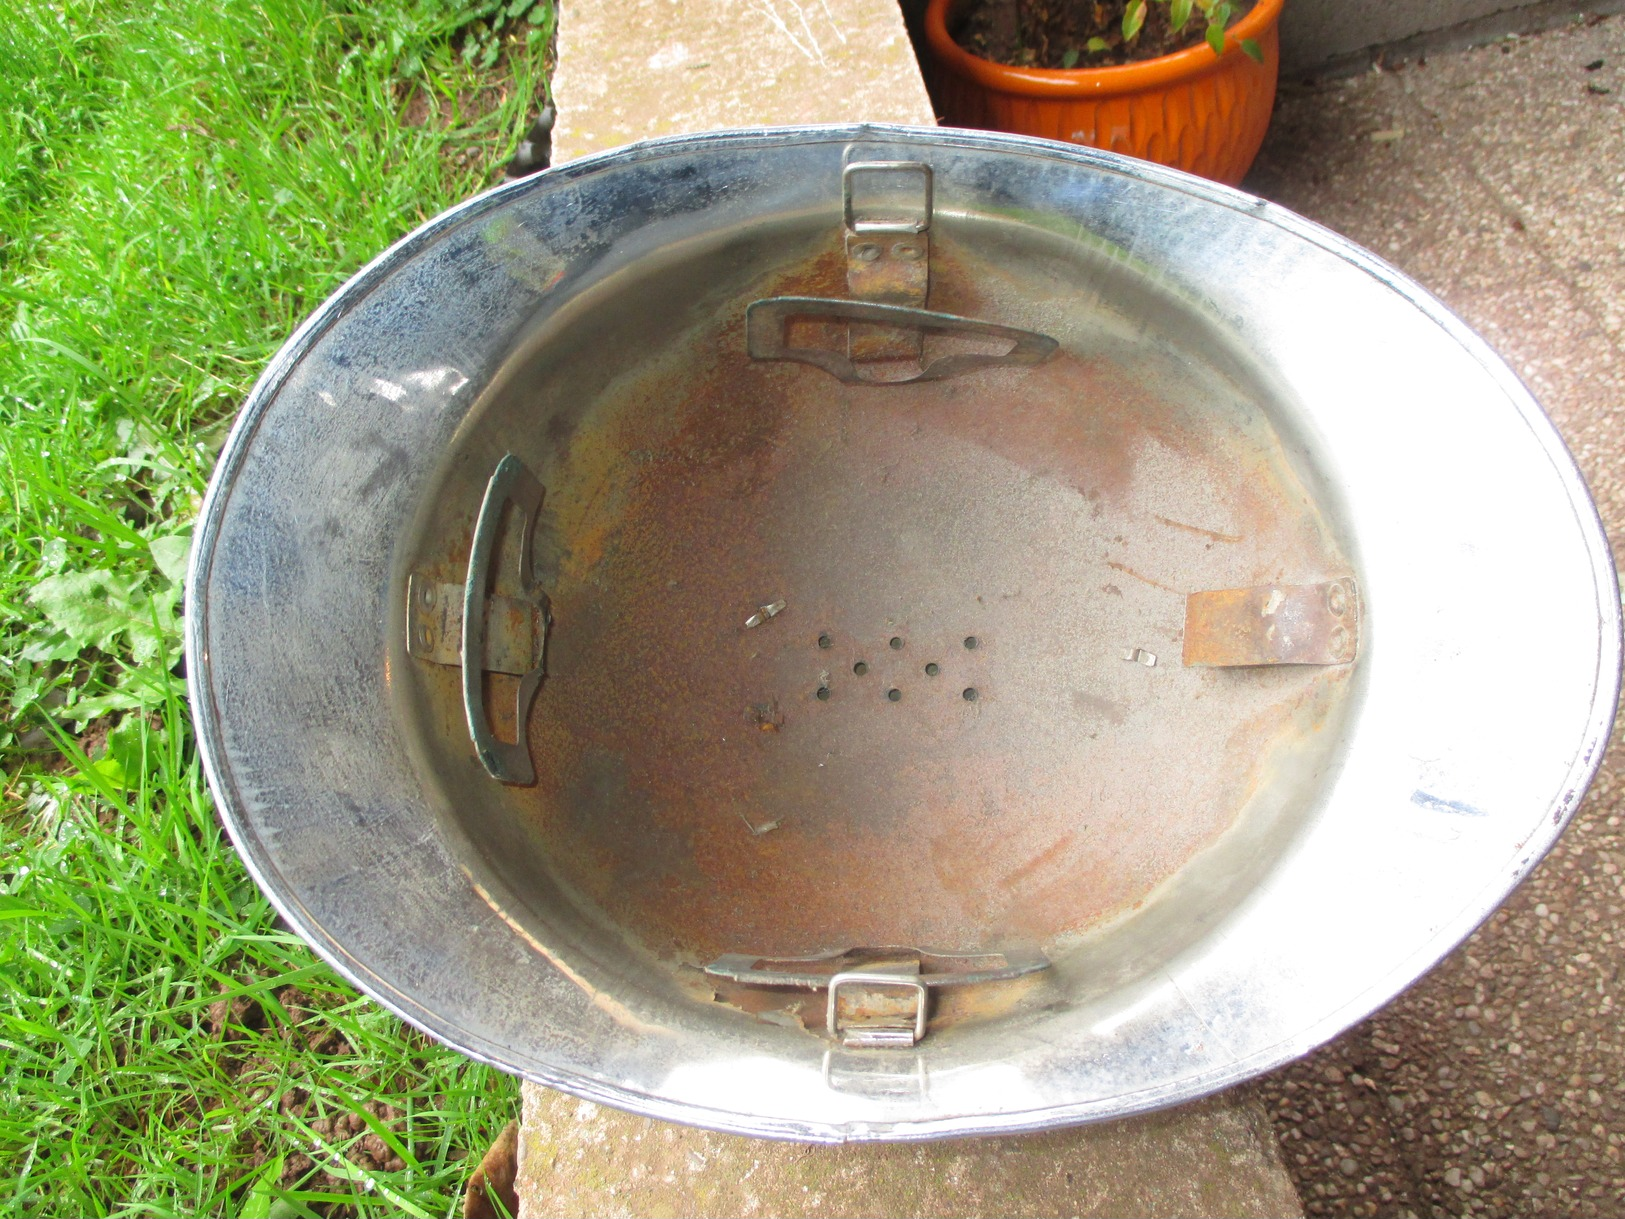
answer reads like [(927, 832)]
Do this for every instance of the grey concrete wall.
[(1339, 34)]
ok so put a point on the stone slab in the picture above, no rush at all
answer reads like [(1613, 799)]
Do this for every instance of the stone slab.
[(1316, 30), (632, 69), (1334, 35), (1216, 1157)]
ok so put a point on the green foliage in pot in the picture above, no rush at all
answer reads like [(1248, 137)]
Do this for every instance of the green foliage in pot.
[(1214, 15)]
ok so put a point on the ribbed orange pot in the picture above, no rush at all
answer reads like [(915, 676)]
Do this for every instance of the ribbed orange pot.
[(1194, 110)]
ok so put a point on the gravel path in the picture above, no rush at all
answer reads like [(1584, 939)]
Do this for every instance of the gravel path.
[(1496, 177)]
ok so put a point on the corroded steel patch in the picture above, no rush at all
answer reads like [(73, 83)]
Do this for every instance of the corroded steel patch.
[(514, 629), (1274, 624), (937, 740)]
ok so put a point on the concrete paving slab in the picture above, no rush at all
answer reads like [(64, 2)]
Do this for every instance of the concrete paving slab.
[(1314, 31), (1333, 37), (632, 69), (1496, 177), (1213, 1158)]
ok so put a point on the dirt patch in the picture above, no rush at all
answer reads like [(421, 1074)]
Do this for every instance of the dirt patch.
[(93, 740), (1072, 33), (420, 107), (352, 1137), (351, 1134)]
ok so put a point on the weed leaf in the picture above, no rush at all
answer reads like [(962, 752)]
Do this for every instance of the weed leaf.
[(1133, 19), (170, 553)]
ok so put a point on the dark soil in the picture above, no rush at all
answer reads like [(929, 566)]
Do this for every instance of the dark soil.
[(1050, 33)]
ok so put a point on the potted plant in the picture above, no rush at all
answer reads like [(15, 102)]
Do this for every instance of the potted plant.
[(1186, 83)]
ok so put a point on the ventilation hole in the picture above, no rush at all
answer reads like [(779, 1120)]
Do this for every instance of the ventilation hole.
[(860, 668), (824, 641), (897, 643), (972, 643), (970, 694), (894, 694), (931, 670), (823, 694)]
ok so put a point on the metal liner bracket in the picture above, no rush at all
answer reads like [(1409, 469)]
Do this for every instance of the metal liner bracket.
[(470, 627), (899, 1024), (766, 338), (878, 997), (1274, 624), (886, 209)]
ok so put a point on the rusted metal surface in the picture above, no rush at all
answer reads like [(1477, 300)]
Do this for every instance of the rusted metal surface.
[(947, 1006), (514, 628), (1275, 624), (876, 1007), (770, 322), (936, 969), (953, 751), (873, 1012), (888, 269), (887, 213)]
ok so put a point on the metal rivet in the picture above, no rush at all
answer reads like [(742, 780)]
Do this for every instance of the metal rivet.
[(894, 694), (428, 596), (1339, 641), (972, 643), (824, 641), (970, 695), (931, 670), (909, 253), (1336, 599), (897, 643), (823, 694), (866, 252), (860, 668)]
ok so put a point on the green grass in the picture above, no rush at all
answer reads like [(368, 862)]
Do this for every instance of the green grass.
[(180, 182)]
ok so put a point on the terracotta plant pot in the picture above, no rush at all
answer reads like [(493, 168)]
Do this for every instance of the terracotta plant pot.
[(1193, 110)]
